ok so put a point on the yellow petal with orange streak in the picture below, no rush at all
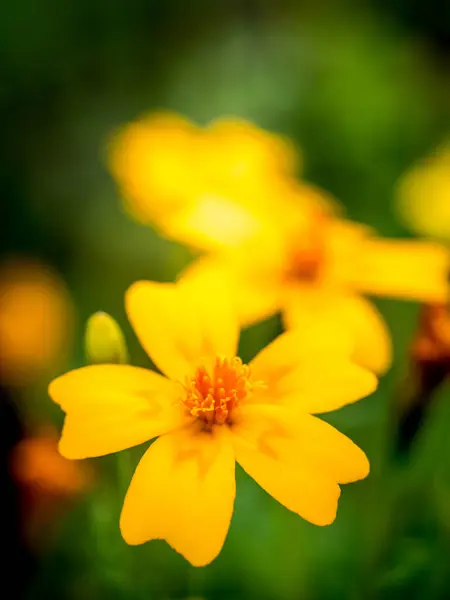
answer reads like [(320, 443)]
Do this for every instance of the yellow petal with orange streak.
[(318, 384), (316, 341), (300, 442), (112, 407), (263, 447), (183, 492)]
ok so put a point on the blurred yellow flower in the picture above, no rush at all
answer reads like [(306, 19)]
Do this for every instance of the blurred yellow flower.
[(320, 268), (211, 410), (36, 317), (205, 186), (424, 195), (229, 188)]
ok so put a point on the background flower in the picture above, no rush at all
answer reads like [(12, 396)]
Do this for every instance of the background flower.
[(318, 266), (36, 319), (213, 187), (424, 195)]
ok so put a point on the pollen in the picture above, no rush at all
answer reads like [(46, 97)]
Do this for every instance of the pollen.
[(211, 397)]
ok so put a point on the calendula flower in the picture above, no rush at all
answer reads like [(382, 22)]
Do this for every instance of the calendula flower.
[(321, 268), (36, 316), (423, 195), (211, 410), (206, 186)]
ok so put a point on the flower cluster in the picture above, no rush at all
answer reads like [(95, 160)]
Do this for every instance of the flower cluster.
[(270, 243)]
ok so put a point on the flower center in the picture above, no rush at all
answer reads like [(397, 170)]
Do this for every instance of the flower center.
[(212, 397), (305, 265), (307, 256)]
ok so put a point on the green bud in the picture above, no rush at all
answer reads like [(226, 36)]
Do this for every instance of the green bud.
[(104, 341)]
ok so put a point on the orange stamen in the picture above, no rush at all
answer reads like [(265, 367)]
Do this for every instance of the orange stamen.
[(212, 397)]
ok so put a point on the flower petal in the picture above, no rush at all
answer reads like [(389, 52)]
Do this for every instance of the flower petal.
[(182, 326), (423, 195), (301, 441), (213, 223), (183, 492), (152, 160), (319, 386), (300, 487), (412, 270), (112, 407), (256, 296), (216, 309), (371, 339), (243, 150), (316, 340)]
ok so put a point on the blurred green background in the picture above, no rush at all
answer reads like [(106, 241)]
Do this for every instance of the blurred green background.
[(364, 89)]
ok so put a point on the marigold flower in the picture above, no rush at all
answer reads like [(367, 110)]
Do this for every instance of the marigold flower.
[(424, 195), (321, 267), (229, 189), (206, 186), (211, 410)]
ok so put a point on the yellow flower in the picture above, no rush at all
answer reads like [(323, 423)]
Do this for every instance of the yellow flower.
[(320, 268), (424, 195), (230, 189), (212, 187), (211, 410)]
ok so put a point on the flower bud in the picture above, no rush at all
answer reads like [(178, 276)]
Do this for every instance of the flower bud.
[(104, 340)]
